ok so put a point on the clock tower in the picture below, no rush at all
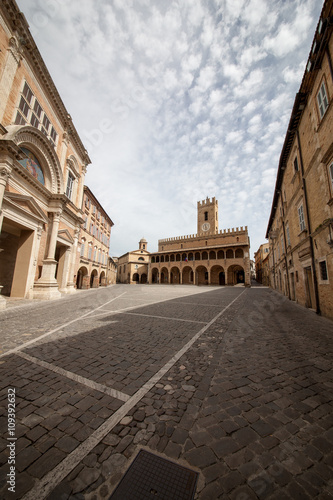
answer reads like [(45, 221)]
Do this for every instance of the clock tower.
[(208, 219)]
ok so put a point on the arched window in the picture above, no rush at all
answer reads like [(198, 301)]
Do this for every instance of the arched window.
[(72, 180)]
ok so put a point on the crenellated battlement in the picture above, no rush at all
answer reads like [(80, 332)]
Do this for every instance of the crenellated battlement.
[(223, 232), (207, 202)]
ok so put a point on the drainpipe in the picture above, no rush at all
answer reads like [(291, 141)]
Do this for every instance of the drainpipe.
[(309, 227), (285, 246), (273, 238)]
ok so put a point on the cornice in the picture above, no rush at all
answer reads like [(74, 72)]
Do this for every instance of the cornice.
[(28, 49)]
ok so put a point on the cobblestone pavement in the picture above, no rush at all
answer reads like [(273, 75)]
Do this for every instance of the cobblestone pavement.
[(233, 383)]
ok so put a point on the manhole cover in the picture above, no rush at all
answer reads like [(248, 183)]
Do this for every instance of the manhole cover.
[(151, 477)]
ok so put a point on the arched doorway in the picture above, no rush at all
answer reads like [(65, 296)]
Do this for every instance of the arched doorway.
[(135, 278), (175, 276), (240, 276), (154, 275), (222, 278), (187, 276), (102, 279), (164, 275), (82, 279), (143, 278), (236, 275), (202, 275), (215, 273), (94, 279)]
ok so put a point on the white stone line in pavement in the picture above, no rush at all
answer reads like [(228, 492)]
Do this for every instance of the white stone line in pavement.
[(198, 304), (22, 346), (119, 311), (47, 484), (165, 317), (77, 378)]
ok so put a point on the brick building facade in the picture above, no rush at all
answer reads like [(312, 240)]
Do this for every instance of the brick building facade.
[(210, 257), (262, 264), (300, 227), (133, 266), (95, 243), (42, 169)]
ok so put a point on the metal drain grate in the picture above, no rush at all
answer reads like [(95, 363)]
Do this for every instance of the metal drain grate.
[(151, 477)]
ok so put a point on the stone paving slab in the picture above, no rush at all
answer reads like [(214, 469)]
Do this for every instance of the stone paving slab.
[(248, 404)]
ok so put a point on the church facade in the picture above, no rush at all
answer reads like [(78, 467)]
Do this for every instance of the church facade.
[(42, 170), (209, 257), (133, 266)]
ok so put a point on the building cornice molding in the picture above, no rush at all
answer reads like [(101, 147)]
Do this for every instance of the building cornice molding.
[(23, 46)]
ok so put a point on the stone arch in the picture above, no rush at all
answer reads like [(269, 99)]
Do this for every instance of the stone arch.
[(184, 257), (236, 275), (164, 275), (153, 260), (174, 276), (157, 259), (190, 256), (94, 281), (239, 254), (212, 255), (178, 257), (143, 278), (162, 258), (230, 254), (82, 279), (167, 258), (154, 275), (202, 275), (187, 275), (220, 254), (135, 278), (102, 279), (217, 275), (172, 257), (36, 142), (204, 255), (197, 256)]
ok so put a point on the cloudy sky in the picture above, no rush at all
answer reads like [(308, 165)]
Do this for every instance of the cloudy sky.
[(177, 100)]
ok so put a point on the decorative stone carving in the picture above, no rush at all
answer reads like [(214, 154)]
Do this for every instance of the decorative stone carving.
[(16, 49)]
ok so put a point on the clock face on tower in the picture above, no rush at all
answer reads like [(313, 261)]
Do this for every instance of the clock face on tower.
[(205, 226)]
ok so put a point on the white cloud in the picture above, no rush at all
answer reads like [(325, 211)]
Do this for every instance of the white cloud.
[(199, 94)]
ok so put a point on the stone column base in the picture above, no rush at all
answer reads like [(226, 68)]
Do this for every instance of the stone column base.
[(46, 291), (70, 288), (46, 287)]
